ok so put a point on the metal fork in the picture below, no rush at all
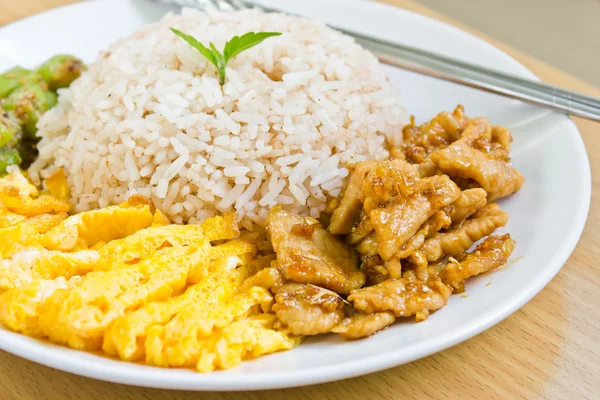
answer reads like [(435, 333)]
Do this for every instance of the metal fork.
[(446, 68)]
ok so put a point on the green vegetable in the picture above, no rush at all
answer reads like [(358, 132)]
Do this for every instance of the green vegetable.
[(51, 99), (8, 157), (27, 151), (15, 77), (9, 128), (28, 102), (59, 71), (24, 96), (232, 48)]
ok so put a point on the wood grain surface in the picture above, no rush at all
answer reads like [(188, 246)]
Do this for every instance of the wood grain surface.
[(548, 349)]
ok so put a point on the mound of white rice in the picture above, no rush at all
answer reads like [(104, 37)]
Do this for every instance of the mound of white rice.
[(150, 117)]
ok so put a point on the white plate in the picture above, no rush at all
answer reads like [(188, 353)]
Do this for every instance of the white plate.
[(547, 215)]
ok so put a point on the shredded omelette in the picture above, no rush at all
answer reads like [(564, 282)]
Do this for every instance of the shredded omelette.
[(124, 280)]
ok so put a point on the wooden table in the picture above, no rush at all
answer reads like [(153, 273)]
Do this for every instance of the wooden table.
[(548, 349)]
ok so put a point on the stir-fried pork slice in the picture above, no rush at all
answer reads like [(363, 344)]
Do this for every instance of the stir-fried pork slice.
[(489, 254), (304, 309), (443, 129), (308, 253), (387, 180), (360, 232), (418, 260), (268, 278), (374, 269), (396, 223), (368, 246), (371, 183), (428, 168), (439, 220), (466, 184), (461, 238), (469, 202), (361, 325), (476, 156), (402, 296), (347, 214), (502, 136)]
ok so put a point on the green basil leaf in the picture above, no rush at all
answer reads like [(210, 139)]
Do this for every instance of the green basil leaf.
[(233, 47), (232, 44), (220, 62), (240, 43), (198, 46)]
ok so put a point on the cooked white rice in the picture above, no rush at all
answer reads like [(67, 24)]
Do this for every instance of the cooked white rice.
[(149, 117)]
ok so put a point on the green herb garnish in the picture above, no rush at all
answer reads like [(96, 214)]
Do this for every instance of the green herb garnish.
[(232, 48)]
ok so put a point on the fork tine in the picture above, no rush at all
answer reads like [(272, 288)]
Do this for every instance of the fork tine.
[(214, 4), (237, 5), (221, 5)]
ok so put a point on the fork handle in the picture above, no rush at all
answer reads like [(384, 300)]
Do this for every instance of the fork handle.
[(542, 95), (449, 69)]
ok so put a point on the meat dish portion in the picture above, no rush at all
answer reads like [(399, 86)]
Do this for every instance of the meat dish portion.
[(361, 325), (404, 297), (305, 309), (456, 240), (420, 141), (481, 156), (400, 219), (471, 151), (411, 220), (308, 253), (491, 253), (467, 204)]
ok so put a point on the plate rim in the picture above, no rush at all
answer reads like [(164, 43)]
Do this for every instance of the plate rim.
[(21, 345)]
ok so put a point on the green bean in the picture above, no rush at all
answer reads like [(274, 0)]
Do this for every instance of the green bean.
[(59, 71), (8, 157), (51, 98), (28, 102), (25, 96), (9, 128), (15, 77)]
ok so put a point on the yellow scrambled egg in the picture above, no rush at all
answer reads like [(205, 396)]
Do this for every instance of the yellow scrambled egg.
[(125, 280)]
